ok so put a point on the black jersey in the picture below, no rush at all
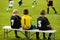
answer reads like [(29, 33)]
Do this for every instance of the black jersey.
[(15, 22), (42, 22)]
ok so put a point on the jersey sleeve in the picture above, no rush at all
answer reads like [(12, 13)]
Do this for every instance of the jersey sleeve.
[(22, 21), (12, 21), (37, 22), (47, 21)]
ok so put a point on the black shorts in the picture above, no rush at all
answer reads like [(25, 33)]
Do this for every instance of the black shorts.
[(50, 3), (20, 2), (45, 28)]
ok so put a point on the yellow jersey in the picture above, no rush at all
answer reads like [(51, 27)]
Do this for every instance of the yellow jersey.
[(26, 21)]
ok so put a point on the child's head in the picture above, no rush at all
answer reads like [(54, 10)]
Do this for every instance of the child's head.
[(25, 12), (42, 12), (15, 11)]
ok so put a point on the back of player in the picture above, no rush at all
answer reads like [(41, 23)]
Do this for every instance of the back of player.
[(43, 24), (26, 20), (15, 22)]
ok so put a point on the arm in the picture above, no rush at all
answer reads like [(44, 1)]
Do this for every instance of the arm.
[(47, 22), (12, 21), (38, 23)]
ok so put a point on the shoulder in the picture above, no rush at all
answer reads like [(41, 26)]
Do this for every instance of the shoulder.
[(12, 17), (40, 17), (19, 17), (45, 17), (29, 17), (23, 16)]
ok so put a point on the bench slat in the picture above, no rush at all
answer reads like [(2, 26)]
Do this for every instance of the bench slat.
[(34, 30)]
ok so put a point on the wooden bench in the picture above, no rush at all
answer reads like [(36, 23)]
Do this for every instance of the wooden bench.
[(6, 28)]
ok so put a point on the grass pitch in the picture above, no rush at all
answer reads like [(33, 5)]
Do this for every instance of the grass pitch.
[(34, 12)]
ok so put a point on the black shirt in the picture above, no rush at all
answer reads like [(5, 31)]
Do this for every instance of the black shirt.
[(15, 22), (42, 22)]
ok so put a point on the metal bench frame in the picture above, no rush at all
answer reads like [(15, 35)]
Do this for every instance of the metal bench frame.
[(6, 28)]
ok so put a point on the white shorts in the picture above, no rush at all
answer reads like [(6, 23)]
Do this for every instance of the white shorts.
[(11, 5)]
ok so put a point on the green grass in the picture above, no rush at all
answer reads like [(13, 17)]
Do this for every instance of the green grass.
[(5, 16)]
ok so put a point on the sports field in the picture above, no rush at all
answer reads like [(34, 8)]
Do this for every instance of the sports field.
[(34, 12)]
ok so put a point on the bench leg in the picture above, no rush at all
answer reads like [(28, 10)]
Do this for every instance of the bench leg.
[(54, 36), (5, 33), (27, 34)]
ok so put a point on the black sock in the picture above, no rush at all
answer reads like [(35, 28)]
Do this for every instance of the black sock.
[(48, 10), (54, 9), (50, 35), (44, 35), (15, 32), (37, 34)]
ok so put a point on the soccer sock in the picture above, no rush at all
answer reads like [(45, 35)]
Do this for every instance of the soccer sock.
[(50, 35), (26, 33), (37, 34), (47, 10), (44, 35), (15, 32), (54, 9)]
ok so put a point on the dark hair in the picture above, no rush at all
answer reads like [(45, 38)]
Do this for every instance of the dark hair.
[(42, 12), (25, 11), (10, 0)]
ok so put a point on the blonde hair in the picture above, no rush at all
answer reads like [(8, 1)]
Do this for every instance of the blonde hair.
[(15, 11)]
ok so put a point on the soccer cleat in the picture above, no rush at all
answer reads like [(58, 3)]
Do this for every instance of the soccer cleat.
[(17, 37), (55, 12)]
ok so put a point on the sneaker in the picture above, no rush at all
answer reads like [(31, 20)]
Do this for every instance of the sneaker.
[(49, 38), (55, 12), (17, 37)]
